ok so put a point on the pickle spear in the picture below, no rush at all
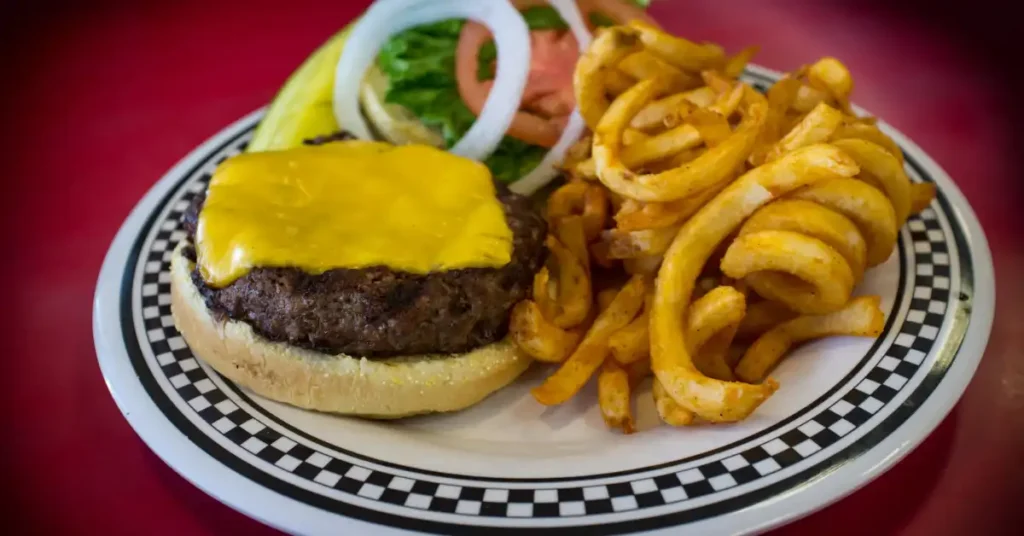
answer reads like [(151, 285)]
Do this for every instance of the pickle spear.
[(302, 108)]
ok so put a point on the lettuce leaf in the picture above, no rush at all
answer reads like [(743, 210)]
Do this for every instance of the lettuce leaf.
[(420, 65)]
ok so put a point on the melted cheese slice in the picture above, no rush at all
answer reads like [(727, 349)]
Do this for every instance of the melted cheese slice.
[(351, 204)]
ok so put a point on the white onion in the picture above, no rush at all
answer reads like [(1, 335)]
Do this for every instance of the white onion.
[(547, 170), (388, 17)]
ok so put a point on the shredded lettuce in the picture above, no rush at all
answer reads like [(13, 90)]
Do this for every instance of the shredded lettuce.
[(420, 66)]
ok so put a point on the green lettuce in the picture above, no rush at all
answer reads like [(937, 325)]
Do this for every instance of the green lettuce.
[(420, 66)]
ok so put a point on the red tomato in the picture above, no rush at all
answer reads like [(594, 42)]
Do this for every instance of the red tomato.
[(548, 98)]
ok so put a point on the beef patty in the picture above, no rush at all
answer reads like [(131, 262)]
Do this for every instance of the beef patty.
[(379, 312)]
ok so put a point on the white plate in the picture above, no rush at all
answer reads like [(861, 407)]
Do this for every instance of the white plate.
[(848, 408)]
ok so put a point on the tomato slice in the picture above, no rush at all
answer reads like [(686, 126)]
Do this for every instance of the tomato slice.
[(548, 98)]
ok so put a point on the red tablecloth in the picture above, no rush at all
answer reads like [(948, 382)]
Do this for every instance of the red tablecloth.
[(98, 102)]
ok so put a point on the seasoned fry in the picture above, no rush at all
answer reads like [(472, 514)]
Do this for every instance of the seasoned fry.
[(864, 205), (573, 286), (807, 98), (539, 338), (625, 245), (684, 54), (579, 152), (817, 126), (860, 130), (631, 136), (639, 216), (592, 351), (613, 397), (595, 211), (643, 65), (816, 221), (679, 139), (711, 358), (715, 400), (671, 214), (712, 126), (710, 168), (921, 195), (569, 231), (823, 280), (729, 101), (545, 292), (605, 298), (735, 65), (588, 80), (874, 160), (861, 317), (665, 112), (762, 316), (831, 75), (580, 198), (616, 82), (566, 201), (701, 97), (717, 81), (780, 96), (630, 344), (670, 412), (711, 313), (685, 157), (658, 147), (716, 311)]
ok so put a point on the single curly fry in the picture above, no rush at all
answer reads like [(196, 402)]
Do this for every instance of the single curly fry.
[(588, 80), (866, 206), (861, 317), (573, 286), (886, 169), (823, 280), (539, 338), (680, 52)]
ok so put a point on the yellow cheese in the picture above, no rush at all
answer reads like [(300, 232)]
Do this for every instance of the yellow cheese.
[(350, 204)]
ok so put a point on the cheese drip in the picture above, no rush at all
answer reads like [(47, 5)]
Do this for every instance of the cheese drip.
[(350, 204)]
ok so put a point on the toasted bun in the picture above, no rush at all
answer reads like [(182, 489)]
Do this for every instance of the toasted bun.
[(383, 388)]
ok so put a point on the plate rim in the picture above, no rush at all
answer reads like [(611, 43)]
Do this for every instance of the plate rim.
[(263, 504)]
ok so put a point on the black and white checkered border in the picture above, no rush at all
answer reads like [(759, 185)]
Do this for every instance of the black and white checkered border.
[(917, 334)]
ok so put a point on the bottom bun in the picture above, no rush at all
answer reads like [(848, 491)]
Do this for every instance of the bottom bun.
[(379, 388)]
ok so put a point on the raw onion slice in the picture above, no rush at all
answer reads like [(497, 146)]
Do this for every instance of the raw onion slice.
[(547, 169), (388, 17)]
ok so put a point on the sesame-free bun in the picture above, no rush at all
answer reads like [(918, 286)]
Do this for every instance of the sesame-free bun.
[(378, 388)]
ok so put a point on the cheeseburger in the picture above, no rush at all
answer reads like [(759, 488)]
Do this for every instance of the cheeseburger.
[(375, 276)]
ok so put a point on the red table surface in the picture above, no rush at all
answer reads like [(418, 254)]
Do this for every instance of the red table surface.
[(100, 102)]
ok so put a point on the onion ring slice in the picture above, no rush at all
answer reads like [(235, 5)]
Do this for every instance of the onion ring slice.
[(388, 17)]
